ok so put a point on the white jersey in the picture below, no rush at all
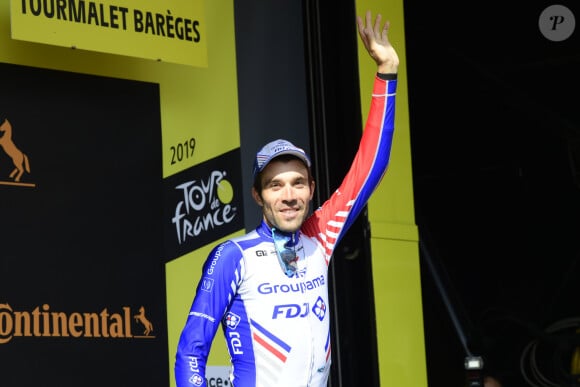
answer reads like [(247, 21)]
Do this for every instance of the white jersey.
[(277, 327)]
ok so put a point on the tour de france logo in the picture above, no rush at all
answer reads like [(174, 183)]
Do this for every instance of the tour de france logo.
[(20, 161), (205, 205)]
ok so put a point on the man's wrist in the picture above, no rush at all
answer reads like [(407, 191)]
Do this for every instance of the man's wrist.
[(387, 76)]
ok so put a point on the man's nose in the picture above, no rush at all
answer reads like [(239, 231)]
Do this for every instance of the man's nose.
[(288, 193)]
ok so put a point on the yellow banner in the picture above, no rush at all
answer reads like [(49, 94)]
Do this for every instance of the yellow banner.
[(169, 30)]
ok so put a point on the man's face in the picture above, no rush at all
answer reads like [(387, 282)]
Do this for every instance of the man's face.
[(286, 194)]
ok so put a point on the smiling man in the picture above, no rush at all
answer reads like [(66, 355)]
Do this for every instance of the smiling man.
[(283, 185), (268, 289)]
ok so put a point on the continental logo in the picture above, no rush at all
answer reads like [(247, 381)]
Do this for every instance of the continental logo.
[(19, 159), (43, 322)]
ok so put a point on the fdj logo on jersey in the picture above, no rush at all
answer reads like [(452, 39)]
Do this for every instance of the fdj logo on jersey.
[(319, 308), (236, 343), (232, 320), (205, 206), (290, 311), (195, 378)]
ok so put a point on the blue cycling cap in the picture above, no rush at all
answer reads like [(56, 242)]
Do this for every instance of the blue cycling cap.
[(277, 148)]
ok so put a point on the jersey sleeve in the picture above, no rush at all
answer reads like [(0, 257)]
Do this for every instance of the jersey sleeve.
[(216, 288), (329, 222)]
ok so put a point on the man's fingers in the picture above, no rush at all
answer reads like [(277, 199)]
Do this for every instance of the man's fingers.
[(387, 26), (385, 36), (369, 18), (360, 25), (372, 31), (377, 27), (361, 31)]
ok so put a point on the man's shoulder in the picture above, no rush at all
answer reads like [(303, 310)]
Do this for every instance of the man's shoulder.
[(242, 242), (251, 235)]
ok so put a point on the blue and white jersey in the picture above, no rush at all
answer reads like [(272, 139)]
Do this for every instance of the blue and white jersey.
[(277, 328)]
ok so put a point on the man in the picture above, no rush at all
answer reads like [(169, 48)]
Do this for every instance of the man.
[(268, 288)]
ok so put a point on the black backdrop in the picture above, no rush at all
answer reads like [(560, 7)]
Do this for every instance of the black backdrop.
[(495, 129), (83, 235)]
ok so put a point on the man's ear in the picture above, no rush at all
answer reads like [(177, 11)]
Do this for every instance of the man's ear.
[(312, 186), (257, 197)]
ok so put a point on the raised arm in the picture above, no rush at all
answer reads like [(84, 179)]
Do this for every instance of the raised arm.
[(335, 216), (376, 41)]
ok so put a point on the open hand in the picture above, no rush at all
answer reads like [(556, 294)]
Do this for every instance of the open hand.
[(376, 41)]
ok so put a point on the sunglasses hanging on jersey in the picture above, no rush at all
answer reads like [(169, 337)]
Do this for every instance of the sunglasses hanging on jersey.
[(286, 252)]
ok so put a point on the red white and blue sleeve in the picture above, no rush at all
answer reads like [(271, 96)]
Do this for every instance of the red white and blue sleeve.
[(329, 222)]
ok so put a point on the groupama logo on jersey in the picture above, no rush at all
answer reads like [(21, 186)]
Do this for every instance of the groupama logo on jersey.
[(294, 287), (203, 203)]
